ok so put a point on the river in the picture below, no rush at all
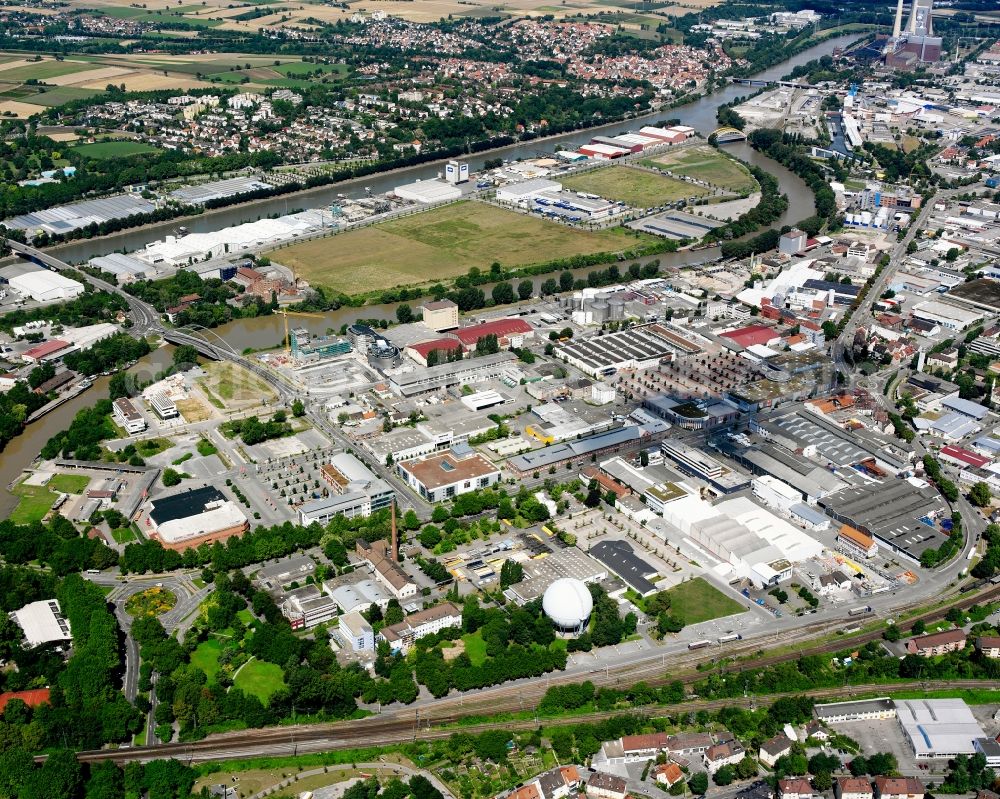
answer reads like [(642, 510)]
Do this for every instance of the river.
[(268, 331)]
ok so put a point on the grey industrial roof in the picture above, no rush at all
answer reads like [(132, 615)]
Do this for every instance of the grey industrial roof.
[(217, 189), (938, 727), (835, 448), (808, 513), (891, 511), (620, 558), (850, 708), (64, 218), (542, 458), (600, 352)]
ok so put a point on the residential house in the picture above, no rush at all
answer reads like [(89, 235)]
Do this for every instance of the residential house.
[(795, 788), (937, 643), (668, 774), (606, 786), (776, 747), (989, 645), (899, 788), (816, 731), (718, 755), (853, 788)]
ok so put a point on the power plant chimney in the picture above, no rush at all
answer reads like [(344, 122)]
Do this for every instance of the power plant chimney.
[(897, 29), (395, 535)]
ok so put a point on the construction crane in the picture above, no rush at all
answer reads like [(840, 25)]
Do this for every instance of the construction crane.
[(286, 314)]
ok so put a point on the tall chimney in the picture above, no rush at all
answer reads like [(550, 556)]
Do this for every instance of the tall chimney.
[(897, 29), (395, 535)]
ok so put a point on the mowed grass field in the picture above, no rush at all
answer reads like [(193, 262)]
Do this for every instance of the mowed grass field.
[(708, 164), (438, 244), (696, 601), (114, 149), (260, 679), (634, 187)]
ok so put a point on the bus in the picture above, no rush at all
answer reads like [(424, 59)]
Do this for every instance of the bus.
[(699, 644), (725, 639), (860, 611)]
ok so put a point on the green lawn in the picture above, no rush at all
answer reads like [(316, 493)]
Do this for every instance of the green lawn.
[(696, 601), (35, 502), (632, 186), (123, 535), (441, 243), (260, 679), (206, 448), (152, 446), (69, 483), (206, 657), (475, 648), (114, 149), (708, 164), (245, 616)]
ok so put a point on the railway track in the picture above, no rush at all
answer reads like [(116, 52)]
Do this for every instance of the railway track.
[(404, 726), (401, 725)]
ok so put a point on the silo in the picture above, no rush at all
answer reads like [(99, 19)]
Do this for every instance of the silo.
[(600, 311), (616, 306)]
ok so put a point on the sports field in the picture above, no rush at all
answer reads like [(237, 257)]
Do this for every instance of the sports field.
[(114, 149), (696, 601), (438, 244), (708, 164), (634, 187)]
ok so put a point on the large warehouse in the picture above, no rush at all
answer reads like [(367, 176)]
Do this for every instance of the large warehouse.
[(428, 191), (938, 728), (45, 286), (65, 218), (636, 348), (194, 517), (755, 543)]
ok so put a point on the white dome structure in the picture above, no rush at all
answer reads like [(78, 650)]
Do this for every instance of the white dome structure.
[(568, 603)]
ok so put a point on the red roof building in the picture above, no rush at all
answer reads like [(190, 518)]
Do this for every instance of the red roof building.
[(421, 350), (503, 329), (963, 456), (752, 335), (32, 698), (45, 351)]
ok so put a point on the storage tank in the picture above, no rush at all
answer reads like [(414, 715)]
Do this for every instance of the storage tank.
[(568, 603), (616, 307), (600, 311)]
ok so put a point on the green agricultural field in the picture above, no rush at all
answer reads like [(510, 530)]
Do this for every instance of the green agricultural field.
[(635, 187), (708, 164), (297, 69), (696, 600), (59, 95), (69, 483), (44, 69), (441, 243), (260, 679), (168, 15), (206, 657), (114, 149)]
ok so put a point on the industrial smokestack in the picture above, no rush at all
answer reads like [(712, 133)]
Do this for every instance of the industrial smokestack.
[(897, 29), (395, 535)]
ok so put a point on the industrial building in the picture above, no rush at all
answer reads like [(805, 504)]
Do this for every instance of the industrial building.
[(449, 474), (439, 315), (186, 250), (949, 316), (541, 572), (355, 631), (124, 267), (579, 451), (219, 190), (381, 557), (642, 347), (42, 622), (428, 191), (413, 381), (306, 607), (63, 219), (354, 491), (195, 517), (756, 544), (621, 560), (43, 285), (357, 596), (521, 194), (938, 728), (900, 514)]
